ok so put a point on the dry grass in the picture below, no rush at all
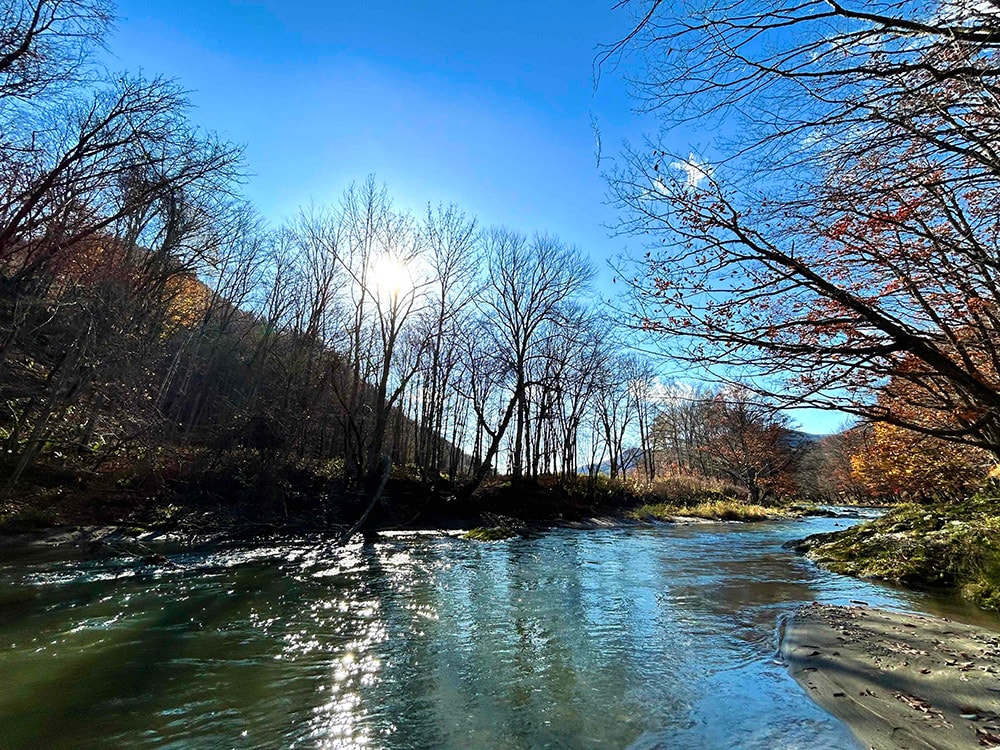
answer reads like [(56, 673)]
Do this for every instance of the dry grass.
[(696, 497), (713, 510)]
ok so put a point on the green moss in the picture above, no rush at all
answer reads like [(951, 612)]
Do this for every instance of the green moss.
[(489, 534), (953, 547)]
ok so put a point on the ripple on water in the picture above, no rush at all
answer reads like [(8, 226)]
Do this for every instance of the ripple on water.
[(644, 638)]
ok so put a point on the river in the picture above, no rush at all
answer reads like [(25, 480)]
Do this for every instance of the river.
[(658, 637)]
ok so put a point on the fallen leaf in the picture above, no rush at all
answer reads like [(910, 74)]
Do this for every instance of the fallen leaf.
[(987, 738)]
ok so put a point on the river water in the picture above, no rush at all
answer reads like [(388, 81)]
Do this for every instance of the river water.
[(658, 637)]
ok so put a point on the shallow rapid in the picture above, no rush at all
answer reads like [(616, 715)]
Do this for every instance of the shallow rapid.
[(645, 638)]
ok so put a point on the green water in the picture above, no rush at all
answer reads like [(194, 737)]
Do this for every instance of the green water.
[(643, 638)]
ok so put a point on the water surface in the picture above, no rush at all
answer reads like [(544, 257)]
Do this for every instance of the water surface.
[(641, 638)]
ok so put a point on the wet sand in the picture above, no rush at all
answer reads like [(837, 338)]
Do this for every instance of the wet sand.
[(899, 680)]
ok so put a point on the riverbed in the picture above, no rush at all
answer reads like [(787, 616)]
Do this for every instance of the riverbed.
[(661, 637)]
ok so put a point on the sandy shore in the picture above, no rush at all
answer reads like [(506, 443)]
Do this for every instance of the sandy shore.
[(899, 680)]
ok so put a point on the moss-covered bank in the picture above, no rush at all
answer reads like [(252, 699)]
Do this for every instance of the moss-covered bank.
[(953, 547)]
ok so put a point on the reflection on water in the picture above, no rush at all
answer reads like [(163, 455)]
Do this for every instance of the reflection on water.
[(652, 638)]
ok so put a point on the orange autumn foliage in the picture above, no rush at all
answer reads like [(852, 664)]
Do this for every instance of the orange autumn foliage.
[(187, 302), (902, 463)]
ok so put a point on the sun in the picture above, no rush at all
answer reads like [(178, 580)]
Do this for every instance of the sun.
[(392, 276)]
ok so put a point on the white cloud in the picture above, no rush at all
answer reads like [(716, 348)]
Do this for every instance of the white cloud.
[(671, 392), (959, 11), (696, 171)]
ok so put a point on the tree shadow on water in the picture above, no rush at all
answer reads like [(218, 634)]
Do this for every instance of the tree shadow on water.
[(134, 681)]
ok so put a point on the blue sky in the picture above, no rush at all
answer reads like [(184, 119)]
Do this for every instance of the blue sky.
[(489, 105)]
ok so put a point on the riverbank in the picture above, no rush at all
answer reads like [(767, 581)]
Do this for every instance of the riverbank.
[(490, 527), (952, 547), (234, 502), (899, 680)]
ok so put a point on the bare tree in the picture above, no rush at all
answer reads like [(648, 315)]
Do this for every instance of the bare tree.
[(47, 43), (528, 283), (582, 343), (680, 429), (844, 236), (452, 247), (617, 408)]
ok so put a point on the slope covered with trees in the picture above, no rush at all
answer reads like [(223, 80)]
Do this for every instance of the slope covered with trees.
[(159, 337)]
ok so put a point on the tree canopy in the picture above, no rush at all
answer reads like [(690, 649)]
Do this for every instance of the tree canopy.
[(841, 231)]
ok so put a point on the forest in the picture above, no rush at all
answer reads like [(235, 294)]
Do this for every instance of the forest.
[(385, 471), (160, 338), (168, 353)]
